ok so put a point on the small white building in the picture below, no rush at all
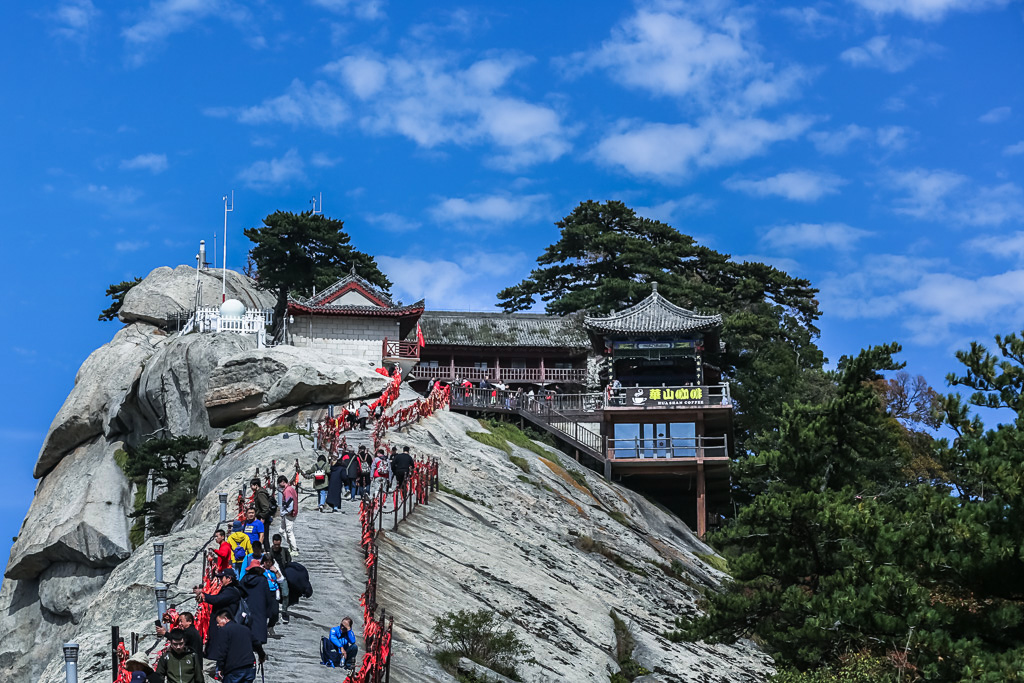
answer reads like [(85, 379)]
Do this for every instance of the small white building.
[(356, 319)]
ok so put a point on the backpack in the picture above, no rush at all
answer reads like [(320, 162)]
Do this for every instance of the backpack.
[(319, 475), (364, 466), (383, 469), (242, 615)]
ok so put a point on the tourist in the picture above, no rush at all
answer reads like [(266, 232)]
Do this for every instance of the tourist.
[(193, 639), (256, 554), (334, 484), (319, 474), (252, 527), (223, 550), (352, 474), (430, 385), (228, 597), (179, 663), (138, 663), (234, 653), (278, 583), (363, 415), (401, 465), (264, 504), (289, 511), (365, 469), (239, 539), (282, 556), (344, 641), (381, 469), (262, 605)]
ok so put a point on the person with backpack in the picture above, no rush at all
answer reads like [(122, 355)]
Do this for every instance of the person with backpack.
[(381, 472), (264, 504), (278, 584), (365, 470), (179, 663), (262, 606), (335, 482), (352, 474), (289, 512), (340, 641), (238, 538), (320, 483)]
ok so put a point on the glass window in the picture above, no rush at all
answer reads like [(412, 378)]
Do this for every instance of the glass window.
[(480, 366), (626, 436), (518, 364), (684, 439)]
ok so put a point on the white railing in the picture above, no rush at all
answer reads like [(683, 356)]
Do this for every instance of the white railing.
[(208, 319)]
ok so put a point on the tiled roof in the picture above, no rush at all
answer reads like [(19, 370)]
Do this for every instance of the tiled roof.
[(372, 311), (444, 328), (350, 281), (655, 314)]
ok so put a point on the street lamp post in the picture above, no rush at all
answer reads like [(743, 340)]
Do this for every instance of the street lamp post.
[(158, 559), (223, 507), (161, 600), (71, 662)]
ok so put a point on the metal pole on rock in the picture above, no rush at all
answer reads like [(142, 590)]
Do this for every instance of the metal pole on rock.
[(161, 600), (158, 562), (223, 507), (71, 662)]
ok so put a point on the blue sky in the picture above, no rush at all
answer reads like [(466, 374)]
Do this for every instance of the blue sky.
[(872, 146)]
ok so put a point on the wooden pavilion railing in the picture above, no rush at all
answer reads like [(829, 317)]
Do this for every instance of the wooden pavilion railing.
[(395, 348), (448, 373)]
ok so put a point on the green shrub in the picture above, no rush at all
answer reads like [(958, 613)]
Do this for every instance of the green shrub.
[(625, 643), (520, 463), (619, 517), (172, 467), (479, 636), (458, 494), (251, 432), (715, 561), (511, 433), (852, 668)]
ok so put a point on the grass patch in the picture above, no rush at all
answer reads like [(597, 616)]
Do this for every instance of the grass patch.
[(509, 432), (580, 479), (520, 463), (715, 562), (619, 517), (251, 432), (490, 439), (588, 544), (561, 472), (458, 494), (625, 643)]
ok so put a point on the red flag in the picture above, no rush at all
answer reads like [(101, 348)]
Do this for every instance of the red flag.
[(419, 336)]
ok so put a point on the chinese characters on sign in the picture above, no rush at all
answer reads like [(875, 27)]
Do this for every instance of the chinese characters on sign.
[(668, 396)]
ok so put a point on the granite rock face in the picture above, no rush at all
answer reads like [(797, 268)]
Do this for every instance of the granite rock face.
[(251, 382), (103, 385), (79, 514), (166, 293), (172, 388)]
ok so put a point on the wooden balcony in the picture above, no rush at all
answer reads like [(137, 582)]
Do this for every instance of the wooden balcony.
[(394, 348), (449, 373)]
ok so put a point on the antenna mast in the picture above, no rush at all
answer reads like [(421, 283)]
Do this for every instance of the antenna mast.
[(224, 279), (320, 210)]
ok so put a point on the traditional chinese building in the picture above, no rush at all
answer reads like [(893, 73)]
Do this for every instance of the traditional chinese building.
[(354, 318)]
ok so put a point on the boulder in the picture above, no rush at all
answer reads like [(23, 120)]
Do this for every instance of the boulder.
[(255, 381), (173, 386), (167, 293), (102, 386), (79, 514), (65, 588)]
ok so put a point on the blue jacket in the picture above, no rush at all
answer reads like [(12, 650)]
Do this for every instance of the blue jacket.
[(342, 638)]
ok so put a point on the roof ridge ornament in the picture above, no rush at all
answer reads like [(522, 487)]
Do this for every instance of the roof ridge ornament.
[(654, 288)]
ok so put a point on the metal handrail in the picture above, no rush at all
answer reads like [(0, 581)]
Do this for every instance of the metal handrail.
[(450, 373), (670, 448)]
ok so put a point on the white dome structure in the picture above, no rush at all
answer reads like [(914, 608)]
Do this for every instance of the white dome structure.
[(232, 308)]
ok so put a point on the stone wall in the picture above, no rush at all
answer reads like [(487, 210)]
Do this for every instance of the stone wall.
[(350, 336)]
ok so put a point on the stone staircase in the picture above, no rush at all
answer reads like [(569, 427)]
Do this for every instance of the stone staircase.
[(329, 545)]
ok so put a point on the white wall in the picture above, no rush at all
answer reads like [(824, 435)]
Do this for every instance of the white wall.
[(348, 335)]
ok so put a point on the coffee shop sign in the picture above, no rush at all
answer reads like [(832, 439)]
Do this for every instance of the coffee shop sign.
[(668, 396)]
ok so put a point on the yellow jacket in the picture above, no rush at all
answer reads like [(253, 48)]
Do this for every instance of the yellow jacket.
[(238, 538)]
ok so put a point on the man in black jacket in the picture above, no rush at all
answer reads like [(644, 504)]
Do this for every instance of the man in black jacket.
[(227, 599), (401, 465), (234, 656)]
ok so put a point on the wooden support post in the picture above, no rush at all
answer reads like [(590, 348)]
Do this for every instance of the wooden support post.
[(542, 378), (451, 373), (115, 633), (608, 469), (702, 514), (497, 368)]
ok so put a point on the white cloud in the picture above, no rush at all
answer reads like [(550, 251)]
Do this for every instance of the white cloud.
[(706, 55), (392, 222), (316, 106), (1001, 246), (811, 20), (673, 151), (128, 245), (672, 210), (464, 283), (1014, 150), (881, 52), (321, 160), (927, 10), (433, 102), (489, 210), (891, 138), (368, 10), (814, 236), (154, 163), (74, 20), (944, 196), (107, 196), (801, 186), (263, 175), (163, 18), (997, 115)]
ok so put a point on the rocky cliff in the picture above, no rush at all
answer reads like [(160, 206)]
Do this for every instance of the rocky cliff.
[(544, 541)]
